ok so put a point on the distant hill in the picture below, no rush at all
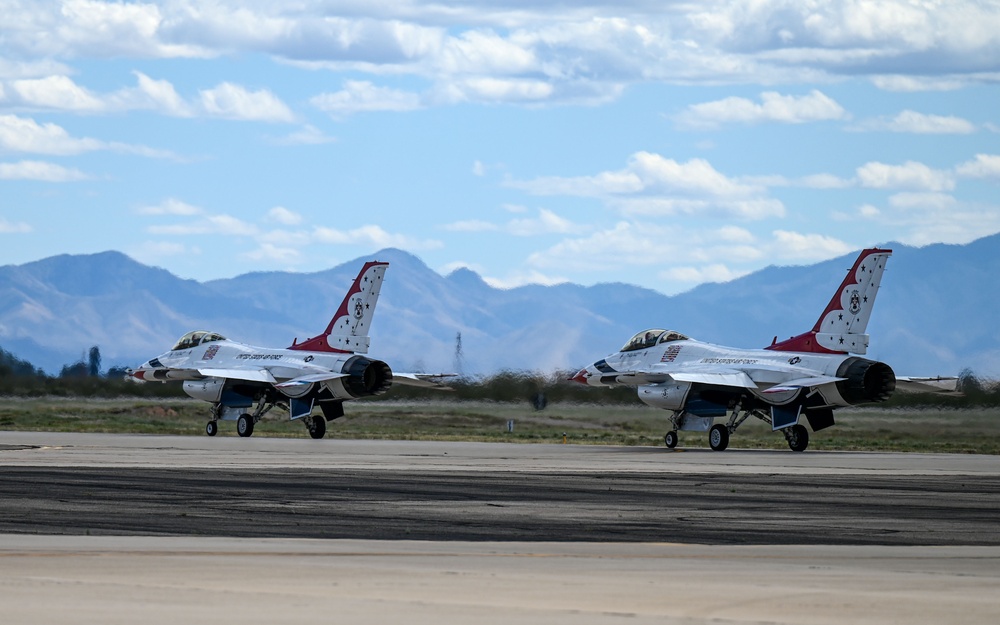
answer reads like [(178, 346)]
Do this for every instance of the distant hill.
[(936, 312)]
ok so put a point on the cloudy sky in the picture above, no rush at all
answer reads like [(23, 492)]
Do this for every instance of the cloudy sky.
[(653, 142)]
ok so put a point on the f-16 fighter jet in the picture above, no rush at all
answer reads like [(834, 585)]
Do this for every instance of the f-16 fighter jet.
[(243, 382), (807, 375)]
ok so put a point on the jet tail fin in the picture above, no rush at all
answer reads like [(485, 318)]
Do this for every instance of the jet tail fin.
[(841, 327), (348, 330)]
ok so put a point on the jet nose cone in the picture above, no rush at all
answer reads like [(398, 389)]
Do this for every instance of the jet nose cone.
[(581, 376)]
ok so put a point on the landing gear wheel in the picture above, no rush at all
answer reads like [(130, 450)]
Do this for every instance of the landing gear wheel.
[(670, 438), (718, 437), (244, 425), (317, 427), (212, 428), (798, 437)]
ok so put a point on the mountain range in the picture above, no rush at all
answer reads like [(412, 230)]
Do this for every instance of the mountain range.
[(936, 313)]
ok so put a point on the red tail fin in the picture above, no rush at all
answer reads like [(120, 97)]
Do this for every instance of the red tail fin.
[(348, 329), (841, 327)]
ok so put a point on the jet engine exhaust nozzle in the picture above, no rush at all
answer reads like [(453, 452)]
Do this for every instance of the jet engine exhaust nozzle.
[(866, 381), (367, 377)]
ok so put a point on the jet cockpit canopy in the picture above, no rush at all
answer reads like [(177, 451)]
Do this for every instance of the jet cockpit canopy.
[(196, 338), (649, 338)]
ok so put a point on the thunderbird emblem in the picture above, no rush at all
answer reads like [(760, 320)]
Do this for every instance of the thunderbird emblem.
[(855, 302), (359, 309)]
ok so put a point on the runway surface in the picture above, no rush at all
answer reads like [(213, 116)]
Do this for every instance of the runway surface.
[(161, 528)]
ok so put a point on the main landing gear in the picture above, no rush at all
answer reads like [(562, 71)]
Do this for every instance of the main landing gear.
[(316, 426), (718, 436), (244, 423)]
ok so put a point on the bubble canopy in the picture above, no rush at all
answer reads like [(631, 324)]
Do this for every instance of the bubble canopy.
[(196, 338), (651, 337)]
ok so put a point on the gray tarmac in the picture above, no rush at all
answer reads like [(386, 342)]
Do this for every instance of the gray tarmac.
[(121, 528)]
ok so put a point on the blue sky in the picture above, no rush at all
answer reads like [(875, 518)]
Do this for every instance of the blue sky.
[(656, 143)]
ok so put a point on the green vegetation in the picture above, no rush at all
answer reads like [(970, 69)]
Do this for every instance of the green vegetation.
[(867, 429), (479, 409)]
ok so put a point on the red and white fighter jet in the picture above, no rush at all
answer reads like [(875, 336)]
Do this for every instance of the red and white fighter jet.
[(810, 374), (243, 382)]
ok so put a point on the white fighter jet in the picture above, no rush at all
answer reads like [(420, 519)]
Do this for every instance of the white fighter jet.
[(810, 374), (243, 382)]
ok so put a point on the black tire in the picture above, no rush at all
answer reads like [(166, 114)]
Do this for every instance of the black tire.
[(317, 428), (718, 437), (244, 425), (798, 437), (670, 439), (212, 428)]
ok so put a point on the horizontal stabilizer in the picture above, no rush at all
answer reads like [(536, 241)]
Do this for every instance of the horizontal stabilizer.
[(357, 344), (251, 375), (311, 378), (909, 384), (810, 382), (422, 380)]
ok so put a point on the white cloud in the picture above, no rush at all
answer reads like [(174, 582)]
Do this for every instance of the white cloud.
[(10, 227), (362, 96), (516, 279), (919, 123), (20, 134), (654, 185), (219, 225), (156, 95), (774, 107), (696, 275), (485, 52), (40, 171), (934, 201), (283, 216), (57, 92), (579, 51), (911, 175), (307, 135), (800, 246), (495, 90), (231, 101), (471, 225), (910, 84), (153, 250), (547, 222), (170, 206), (984, 166), (372, 236), (925, 219), (273, 253)]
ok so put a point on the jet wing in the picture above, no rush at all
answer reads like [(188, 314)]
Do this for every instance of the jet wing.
[(251, 375), (422, 380), (911, 384), (716, 377)]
